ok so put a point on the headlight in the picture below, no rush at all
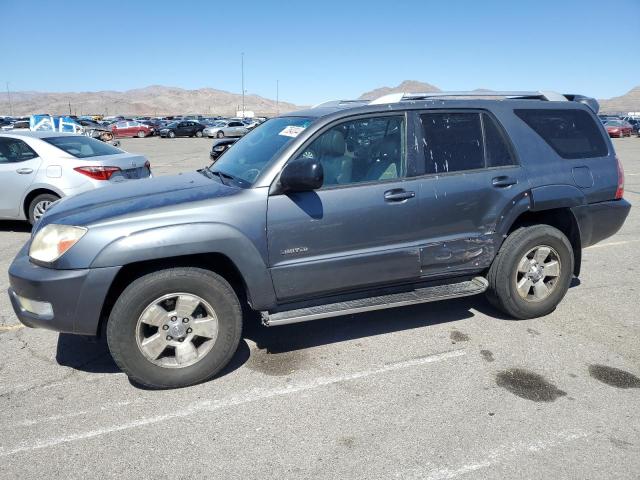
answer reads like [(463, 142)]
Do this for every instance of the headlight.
[(53, 241), (219, 148)]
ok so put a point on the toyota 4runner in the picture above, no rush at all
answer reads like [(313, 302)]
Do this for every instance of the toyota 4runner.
[(346, 207)]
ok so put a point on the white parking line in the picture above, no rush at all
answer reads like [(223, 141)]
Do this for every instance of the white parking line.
[(500, 454), (612, 244), (213, 405), (55, 418)]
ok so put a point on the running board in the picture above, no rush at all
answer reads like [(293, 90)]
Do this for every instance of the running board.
[(421, 295)]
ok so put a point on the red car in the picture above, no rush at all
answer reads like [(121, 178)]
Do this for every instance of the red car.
[(128, 128), (618, 128)]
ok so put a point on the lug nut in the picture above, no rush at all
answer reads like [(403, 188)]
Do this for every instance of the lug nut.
[(189, 330), (169, 337), (174, 318), (181, 339), (185, 320), (165, 327)]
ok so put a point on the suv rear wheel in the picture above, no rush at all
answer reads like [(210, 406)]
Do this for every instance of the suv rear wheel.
[(532, 272), (175, 328)]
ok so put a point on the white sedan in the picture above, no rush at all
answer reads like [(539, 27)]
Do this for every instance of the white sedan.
[(38, 168), (226, 128)]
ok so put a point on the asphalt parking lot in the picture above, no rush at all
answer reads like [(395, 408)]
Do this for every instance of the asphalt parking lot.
[(437, 391)]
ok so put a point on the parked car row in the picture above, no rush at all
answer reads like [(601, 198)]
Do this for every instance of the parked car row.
[(619, 126)]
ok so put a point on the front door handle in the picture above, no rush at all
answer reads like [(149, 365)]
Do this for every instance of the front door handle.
[(24, 171), (398, 195), (504, 181)]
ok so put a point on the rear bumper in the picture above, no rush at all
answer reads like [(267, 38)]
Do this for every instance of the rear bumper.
[(76, 296), (601, 220)]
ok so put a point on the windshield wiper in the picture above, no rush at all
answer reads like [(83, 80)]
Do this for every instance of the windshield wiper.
[(211, 173), (241, 182)]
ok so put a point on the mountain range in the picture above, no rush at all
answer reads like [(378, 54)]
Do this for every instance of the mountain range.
[(161, 100), (153, 100)]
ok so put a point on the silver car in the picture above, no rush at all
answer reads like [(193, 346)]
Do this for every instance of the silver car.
[(226, 128), (38, 168)]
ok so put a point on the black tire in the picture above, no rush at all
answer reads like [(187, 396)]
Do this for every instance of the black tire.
[(123, 320), (171, 134), (44, 198), (220, 134), (199, 133), (502, 276)]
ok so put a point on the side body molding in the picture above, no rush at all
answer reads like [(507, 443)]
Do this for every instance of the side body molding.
[(190, 239)]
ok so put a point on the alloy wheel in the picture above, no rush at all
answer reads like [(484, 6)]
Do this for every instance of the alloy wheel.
[(40, 208), (538, 273), (176, 330)]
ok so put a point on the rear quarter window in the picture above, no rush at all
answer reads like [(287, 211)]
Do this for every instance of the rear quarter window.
[(572, 133)]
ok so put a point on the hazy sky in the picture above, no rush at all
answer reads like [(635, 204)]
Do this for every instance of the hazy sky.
[(321, 49)]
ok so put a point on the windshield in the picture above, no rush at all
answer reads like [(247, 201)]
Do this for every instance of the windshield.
[(172, 124), (614, 123), (253, 152), (81, 146)]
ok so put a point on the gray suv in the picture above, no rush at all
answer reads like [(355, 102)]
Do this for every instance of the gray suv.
[(346, 207)]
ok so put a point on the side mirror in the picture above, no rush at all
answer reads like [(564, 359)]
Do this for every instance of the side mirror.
[(301, 175)]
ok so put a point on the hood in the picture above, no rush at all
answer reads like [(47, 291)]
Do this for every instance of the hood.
[(133, 197)]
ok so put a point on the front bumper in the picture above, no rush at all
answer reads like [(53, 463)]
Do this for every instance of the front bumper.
[(76, 296)]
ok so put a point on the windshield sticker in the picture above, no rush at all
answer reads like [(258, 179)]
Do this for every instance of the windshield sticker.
[(291, 131)]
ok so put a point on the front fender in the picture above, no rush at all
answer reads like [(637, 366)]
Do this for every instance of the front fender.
[(190, 239)]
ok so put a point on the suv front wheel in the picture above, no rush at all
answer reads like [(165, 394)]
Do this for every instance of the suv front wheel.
[(175, 327), (532, 272)]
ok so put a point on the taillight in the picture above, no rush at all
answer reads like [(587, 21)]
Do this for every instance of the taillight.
[(97, 173), (620, 189)]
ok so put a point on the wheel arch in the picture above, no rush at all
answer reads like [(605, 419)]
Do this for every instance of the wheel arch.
[(561, 218), (215, 262), (34, 193)]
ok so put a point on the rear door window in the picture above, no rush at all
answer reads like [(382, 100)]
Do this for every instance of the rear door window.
[(452, 142), (498, 151), (572, 133)]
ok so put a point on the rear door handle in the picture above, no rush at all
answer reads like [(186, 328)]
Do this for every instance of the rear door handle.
[(504, 181), (398, 195), (24, 171)]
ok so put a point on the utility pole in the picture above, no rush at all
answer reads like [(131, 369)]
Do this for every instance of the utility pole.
[(242, 66), (277, 97), (9, 97), (69, 107)]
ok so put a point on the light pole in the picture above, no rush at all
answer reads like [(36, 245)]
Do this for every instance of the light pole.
[(242, 66), (9, 97)]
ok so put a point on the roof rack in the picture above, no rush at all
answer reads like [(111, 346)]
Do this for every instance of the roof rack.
[(592, 103), (342, 103)]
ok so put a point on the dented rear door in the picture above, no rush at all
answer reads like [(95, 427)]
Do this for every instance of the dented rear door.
[(470, 177)]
